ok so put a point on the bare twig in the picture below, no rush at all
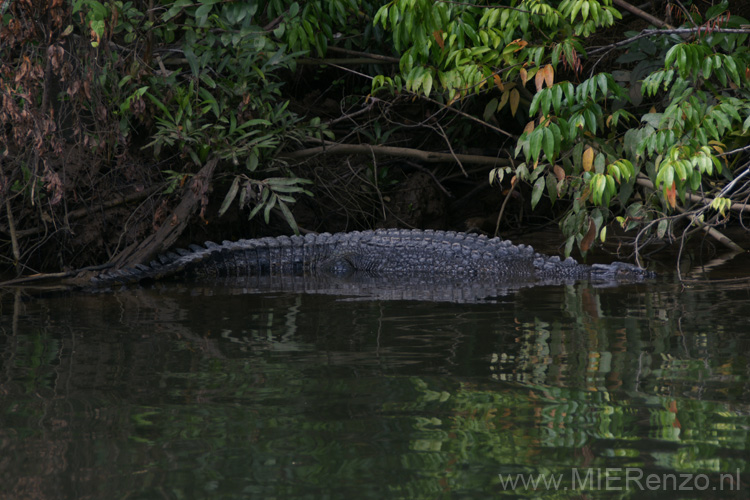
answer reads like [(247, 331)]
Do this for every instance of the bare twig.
[(51, 276), (375, 183), (84, 212), (338, 61), (453, 153), (349, 70), (13, 236), (429, 172), (272, 25), (470, 117), (695, 198), (505, 202), (694, 216), (367, 55), (675, 31), (724, 240), (350, 116)]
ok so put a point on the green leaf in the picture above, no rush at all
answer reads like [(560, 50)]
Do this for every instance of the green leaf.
[(208, 80), (576, 7), (192, 60), (569, 245), (534, 101), (426, 85), (746, 125), (557, 94), (269, 206), (289, 217), (203, 10), (286, 181), (252, 161), (159, 104), (721, 74), (231, 194), (288, 189), (710, 127), (611, 187), (549, 144), (490, 109), (551, 182), (255, 211), (681, 57), (661, 228), (722, 120), (601, 80), (600, 186), (585, 6), (546, 101), (536, 192), (569, 93), (590, 120), (668, 177), (535, 143), (731, 67)]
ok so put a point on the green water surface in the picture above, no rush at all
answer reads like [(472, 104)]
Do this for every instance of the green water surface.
[(193, 392)]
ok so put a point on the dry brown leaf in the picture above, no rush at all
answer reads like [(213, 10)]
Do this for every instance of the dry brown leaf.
[(498, 82), (503, 100), (587, 160), (549, 75), (559, 172), (539, 79), (590, 236), (671, 193), (520, 43), (515, 98), (438, 35)]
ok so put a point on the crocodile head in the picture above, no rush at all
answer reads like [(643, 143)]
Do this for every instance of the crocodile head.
[(619, 271)]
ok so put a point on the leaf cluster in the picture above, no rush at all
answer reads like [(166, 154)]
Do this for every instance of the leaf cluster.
[(227, 102), (667, 115)]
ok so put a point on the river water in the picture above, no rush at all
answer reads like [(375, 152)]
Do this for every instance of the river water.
[(179, 391)]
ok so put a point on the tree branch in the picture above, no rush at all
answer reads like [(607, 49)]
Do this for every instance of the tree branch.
[(692, 215), (695, 198), (356, 53), (171, 229), (643, 15), (415, 154), (675, 31)]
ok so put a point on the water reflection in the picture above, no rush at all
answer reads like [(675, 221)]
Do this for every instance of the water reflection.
[(205, 392)]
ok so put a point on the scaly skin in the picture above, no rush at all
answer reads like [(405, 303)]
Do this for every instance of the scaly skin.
[(390, 254)]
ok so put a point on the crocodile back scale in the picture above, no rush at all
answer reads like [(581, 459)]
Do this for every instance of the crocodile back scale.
[(388, 253)]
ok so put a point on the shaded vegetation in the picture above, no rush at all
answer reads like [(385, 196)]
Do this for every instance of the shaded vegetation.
[(124, 124)]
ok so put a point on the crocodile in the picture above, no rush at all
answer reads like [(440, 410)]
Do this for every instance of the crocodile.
[(386, 258)]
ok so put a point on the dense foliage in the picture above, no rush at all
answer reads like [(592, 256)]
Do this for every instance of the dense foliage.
[(667, 110), (617, 123)]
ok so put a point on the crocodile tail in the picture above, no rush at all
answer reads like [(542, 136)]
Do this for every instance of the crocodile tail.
[(265, 256), (167, 264)]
